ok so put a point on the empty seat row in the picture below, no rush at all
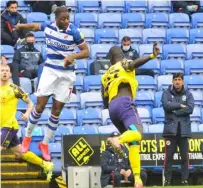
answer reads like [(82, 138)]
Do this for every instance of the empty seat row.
[(109, 6), (126, 20), (145, 36)]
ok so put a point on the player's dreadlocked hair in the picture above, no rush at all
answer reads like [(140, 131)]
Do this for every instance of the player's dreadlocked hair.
[(61, 9)]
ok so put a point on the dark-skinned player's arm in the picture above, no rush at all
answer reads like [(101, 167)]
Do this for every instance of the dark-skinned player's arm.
[(31, 26), (130, 65), (105, 99)]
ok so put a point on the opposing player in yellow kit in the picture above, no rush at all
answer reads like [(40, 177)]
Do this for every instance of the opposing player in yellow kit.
[(119, 87), (9, 96)]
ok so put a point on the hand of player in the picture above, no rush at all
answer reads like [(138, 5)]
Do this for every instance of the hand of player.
[(156, 50), (24, 116), (68, 60), (128, 173), (194, 7)]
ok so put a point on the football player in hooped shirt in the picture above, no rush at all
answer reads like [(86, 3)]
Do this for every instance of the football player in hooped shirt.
[(119, 87), (58, 75)]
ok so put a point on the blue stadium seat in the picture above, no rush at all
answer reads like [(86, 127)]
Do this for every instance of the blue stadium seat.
[(198, 97), (200, 128), (86, 20), (91, 99), (81, 67), (33, 98), (57, 165), (197, 20), (44, 117), (34, 148), (3, 5), (177, 35), (107, 129), (157, 20), (89, 34), (202, 115), (22, 106), (36, 17), (174, 51), (154, 35), (89, 116), (49, 103), (146, 50), (22, 6), (172, 66), (194, 127), (78, 85), (158, 115), (74, 103), (164, 81), (26, 84), (134, 34), (109, 20), (92, 83), (62, 130), (193, 66), (87, 129), (196, 115), (146, 82), (133, 20), (113, 6), (179, 20), (106, 120), (72, 17), (145, 115), (89, 62), (68, 117), (194, 81), (156, 128), (72, 4), (100, 50), (39, 37), (8, 52), (106, 36), (37, 134), (196, 35), (136, 6), (159, 6), (153, 64), (157, 99), (144, 98), (88, 6), (55, 150), (194, 51)]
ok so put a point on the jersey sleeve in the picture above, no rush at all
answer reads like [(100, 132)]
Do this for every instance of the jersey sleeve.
[(43, 26), (78, 36), (20, 93)]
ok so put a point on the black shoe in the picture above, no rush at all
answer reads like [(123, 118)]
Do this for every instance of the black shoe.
[(184, 183), (167, 183)]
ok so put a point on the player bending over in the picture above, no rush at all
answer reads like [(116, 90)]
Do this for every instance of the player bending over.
[(119, 87), (9, 96), (58, 75)]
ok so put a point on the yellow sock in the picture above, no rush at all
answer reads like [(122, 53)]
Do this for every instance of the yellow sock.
[(32, 158), (129, 136), (134, 158)]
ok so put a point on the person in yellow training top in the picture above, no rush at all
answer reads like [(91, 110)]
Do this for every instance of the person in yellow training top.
[(119, 87), (9, 96)]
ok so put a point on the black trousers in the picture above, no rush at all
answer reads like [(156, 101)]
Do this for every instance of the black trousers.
[(170, 149), (15, 73)]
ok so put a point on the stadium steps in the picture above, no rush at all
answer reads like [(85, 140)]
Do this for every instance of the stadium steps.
[(20, 174), (24, 184)]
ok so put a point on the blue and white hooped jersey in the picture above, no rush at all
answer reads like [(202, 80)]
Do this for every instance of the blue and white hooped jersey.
[(60, 44)]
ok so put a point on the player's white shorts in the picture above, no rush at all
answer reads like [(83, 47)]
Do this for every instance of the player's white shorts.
[(58, 83)]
